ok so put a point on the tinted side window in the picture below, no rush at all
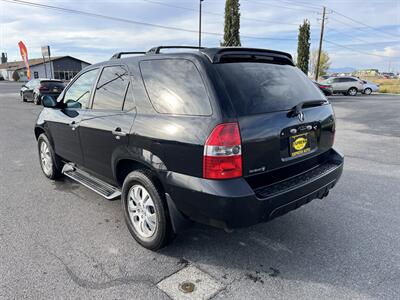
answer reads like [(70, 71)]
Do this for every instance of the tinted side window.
[(175, 86), (81, 89), (111, 88)]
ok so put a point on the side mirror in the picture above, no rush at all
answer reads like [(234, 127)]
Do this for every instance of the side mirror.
[(49, 101), (73, 104)]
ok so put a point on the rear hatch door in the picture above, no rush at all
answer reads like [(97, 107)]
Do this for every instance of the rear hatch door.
[(284, 119)]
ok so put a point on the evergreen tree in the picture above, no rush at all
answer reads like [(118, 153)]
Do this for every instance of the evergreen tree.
[(232, 24), (303, 46)]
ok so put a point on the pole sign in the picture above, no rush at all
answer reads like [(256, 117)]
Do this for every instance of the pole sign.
[(46, 51)]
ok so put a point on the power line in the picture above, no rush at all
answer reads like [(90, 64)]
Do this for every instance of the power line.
[(359, 51), (213, 13), (361, 23), (364, 42), (90, 14), (279, 6), (359, 29), (301, 4)]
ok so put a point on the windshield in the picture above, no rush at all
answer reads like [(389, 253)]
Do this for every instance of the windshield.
[(256, 88)]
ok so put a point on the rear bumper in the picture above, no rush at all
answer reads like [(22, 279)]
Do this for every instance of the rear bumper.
[(233, 203)]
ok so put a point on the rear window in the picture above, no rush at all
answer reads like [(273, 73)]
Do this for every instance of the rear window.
[(256, 88), (53, 84), (175, 86)]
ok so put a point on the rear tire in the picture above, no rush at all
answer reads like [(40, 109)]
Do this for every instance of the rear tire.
[(22, 97), (145, 210), (352, 91), (368, 91), (50, 163), (36, 99)]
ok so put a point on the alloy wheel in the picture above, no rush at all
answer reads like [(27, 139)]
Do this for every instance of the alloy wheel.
[(352, 92), (45, 158), (142, 211)]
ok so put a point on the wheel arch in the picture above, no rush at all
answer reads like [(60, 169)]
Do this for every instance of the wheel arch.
[(39, 131), (126, 165)]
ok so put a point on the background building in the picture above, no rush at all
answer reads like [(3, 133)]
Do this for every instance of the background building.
[(59, 67)]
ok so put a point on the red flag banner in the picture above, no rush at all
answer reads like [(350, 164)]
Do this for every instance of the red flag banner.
[(24, 55)]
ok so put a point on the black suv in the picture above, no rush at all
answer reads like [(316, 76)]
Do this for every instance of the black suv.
[(229, 137)]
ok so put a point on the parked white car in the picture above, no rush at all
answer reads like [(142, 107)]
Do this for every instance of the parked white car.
[(369, 87), (345, 85)]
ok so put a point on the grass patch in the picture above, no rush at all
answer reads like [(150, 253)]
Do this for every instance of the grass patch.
[(391, 86)]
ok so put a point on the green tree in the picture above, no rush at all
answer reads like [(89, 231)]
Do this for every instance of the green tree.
[(303, 46), (232, 24), (324, 62)]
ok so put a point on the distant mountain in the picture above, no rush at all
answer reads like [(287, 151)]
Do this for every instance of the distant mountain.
[(341, 70)]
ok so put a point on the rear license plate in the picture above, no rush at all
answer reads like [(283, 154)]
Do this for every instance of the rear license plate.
[(299, 144)]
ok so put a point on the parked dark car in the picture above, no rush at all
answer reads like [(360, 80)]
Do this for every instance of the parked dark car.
[(325, 88), (35, 89), (228, 137)]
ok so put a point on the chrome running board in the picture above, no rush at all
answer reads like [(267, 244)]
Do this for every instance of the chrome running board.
[(95, 184)]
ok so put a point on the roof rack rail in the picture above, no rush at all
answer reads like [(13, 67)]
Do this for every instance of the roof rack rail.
[(156, 50), (119, 54)]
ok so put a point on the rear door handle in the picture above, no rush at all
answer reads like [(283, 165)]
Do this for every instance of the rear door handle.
[(73, 125), (118, 133)]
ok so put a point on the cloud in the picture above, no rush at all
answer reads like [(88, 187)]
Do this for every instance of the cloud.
[(390, 51), (95, 39)]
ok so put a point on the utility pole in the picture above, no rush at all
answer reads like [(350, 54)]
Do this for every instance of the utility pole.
[(200, 24), (320, 43)]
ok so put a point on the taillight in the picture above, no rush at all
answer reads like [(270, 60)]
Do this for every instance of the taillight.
[(223, 153), (43, 88)]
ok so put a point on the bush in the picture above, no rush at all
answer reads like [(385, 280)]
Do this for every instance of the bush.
[(15, 76)]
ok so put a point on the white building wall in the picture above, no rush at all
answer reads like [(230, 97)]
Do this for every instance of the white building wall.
[(41, 72)]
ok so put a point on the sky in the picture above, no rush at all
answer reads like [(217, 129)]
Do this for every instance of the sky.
[(272, 24)]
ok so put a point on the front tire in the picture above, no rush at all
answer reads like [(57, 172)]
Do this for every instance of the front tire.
[(352, 91), (368, 91), (49, 161), (145, 210)]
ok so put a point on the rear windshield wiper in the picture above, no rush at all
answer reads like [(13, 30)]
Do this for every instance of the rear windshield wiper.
[(296, 110)]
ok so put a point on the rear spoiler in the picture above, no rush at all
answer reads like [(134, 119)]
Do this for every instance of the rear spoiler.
[(217, 55)]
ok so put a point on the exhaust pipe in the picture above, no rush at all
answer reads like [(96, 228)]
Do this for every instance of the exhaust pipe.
[(326, 193)]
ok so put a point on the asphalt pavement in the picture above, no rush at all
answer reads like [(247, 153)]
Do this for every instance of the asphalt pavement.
[(61, 240)]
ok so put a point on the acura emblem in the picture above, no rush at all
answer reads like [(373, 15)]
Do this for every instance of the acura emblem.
[(301, 116)]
